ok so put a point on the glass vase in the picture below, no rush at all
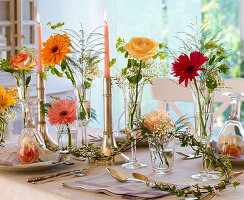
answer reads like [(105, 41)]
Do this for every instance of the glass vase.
[(31, 146), (83, 109), (230, 140), (6, 128), (203, 115), (162, 154), (132, 98), (67, 137), (23, 92)]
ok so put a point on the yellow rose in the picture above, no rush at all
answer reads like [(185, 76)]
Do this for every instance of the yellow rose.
[(141, 48)]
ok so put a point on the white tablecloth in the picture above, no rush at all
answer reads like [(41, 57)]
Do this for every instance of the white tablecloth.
[(13, 185)]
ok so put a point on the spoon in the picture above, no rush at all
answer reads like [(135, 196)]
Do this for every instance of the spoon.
[(144, 178), (140, 177), (121, 177)]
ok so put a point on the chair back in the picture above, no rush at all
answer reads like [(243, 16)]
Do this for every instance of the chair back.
[(168, 91)]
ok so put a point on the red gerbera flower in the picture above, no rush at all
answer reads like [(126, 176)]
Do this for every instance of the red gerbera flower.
[(186, 68), (62, 112)]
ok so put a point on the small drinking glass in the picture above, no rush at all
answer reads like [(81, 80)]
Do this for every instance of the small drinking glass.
[(162, 154), (67, 139)]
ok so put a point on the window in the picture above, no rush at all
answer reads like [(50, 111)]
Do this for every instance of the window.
[(17, 28)]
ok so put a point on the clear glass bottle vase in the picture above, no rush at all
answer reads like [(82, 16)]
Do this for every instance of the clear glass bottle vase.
[(31, 146), (132, 111), (83, 109), (230, 140), (203, 115)]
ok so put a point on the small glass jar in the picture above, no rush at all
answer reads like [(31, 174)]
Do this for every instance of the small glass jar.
[(162, 154), (67, 137)]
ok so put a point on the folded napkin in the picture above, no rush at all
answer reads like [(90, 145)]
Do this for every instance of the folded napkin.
[(108, 185)]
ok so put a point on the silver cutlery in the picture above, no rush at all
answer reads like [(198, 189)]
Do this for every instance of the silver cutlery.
[(145, 178), (57, 174), (80, 174), (188, 156), (88, 171), (41, 178), (121, 177)]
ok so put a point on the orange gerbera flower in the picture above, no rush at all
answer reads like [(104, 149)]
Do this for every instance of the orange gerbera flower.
[(6, 99), (55, 49)]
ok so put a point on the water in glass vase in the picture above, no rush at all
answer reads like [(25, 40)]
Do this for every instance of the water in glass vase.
[(159, 166), (66, 139)]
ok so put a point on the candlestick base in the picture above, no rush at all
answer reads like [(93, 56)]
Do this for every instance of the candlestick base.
[(107, 148)]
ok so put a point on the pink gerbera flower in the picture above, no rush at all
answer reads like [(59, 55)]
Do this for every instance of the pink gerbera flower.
[(62, 112), (187, 68)]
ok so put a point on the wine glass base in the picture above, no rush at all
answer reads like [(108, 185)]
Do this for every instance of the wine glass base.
[(133, 165), (204, 177)]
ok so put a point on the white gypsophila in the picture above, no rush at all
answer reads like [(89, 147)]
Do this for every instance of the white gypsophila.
[(92, 71), (9, 115), (165, 126), (151, 71), (154, 70)]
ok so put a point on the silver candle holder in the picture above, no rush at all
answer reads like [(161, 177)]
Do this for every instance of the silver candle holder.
[(41, 119), (109, 142)]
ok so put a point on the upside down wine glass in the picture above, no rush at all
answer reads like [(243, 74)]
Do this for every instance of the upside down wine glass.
[(230, 140), (203, 114)]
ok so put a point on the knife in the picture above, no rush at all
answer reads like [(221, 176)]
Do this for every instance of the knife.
[(41, 178)]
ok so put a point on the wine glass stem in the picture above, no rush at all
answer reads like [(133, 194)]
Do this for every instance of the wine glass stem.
[(133, 151), (204, 169), (83, 135), (203, 164)]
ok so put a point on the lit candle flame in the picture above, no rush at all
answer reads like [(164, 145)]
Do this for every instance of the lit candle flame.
[(105, 17), (38, 17)]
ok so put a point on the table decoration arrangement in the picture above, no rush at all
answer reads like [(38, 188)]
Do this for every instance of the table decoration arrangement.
[(201, 63), (161, 144), (62, 114), (143, 66), (78, 55), (21, 66), (220, 163)]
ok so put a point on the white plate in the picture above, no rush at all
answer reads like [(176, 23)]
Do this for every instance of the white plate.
[(30, 167)]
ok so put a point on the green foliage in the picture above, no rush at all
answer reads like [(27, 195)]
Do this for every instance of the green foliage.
[(218, 13), (208, 43), (5, 66), (112, 62), (58, 25)]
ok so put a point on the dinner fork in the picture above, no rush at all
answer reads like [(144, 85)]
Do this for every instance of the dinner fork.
[(88, 171)]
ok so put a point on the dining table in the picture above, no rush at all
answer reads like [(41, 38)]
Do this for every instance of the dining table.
[(14, 185)]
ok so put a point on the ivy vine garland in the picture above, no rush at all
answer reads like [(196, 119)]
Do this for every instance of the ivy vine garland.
[(220, 163)]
